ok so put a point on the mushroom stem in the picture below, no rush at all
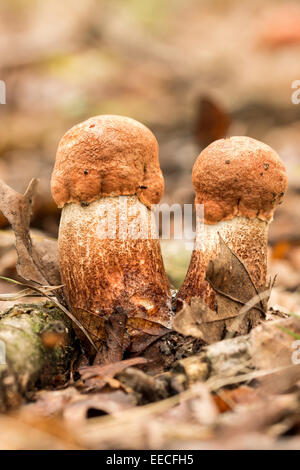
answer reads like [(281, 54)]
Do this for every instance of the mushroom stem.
[(247, 238), (106, 264)]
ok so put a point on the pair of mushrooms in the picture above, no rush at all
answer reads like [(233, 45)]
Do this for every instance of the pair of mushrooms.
[(239, 180)]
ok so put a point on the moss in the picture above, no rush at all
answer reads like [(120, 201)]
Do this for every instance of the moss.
[(30, 360)]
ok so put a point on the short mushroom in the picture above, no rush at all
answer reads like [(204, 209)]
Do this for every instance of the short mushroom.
[(240, 181), (107, 172)]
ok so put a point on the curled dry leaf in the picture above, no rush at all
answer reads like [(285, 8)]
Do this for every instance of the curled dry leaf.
[(96, 377), (33, 263), (117, 339), (240, 305), (118, 335), (197, 320)]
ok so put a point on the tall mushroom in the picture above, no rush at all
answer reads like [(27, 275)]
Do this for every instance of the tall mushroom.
[(106, 174), (240, 181)]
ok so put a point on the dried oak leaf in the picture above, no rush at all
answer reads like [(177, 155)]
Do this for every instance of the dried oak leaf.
[(96, 377), (34, 264), (240, 306)]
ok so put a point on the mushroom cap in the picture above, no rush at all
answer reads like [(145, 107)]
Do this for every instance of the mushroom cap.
[(107, 156), (238, 176)]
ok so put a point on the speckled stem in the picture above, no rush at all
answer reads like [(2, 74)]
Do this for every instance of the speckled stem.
[(247, 238), (103, 269)]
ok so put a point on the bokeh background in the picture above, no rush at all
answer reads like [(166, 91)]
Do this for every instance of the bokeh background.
[(191, 70)]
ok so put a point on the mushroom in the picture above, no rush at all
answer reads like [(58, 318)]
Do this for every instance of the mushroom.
[(106, 173), (240, 181)]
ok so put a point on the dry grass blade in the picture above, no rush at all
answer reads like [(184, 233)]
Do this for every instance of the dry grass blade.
[(23, 293), (289, 332), (43, 291)]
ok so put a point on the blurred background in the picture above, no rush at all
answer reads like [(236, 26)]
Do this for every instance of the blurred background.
[(191, 70)]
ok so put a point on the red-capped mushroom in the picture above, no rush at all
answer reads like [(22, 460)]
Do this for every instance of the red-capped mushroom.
[(240, 181), (98, 161)]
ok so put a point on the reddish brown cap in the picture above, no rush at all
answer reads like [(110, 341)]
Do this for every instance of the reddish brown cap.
[(107, 156), (238, 176)]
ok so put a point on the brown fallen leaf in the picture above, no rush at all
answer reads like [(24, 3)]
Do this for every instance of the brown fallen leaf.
[(17, 209), (47, 251), (227, 400), (212, 121), (117, 339), (119, 333), (199, 321), (240, 306), (94, 378), (38, 260), (146, 333), (239, 303)]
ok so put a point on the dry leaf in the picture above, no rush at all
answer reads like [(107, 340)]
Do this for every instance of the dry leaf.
[(75, 407), (96, 377), (117, 339), (240, 306), (47, 250), (227, 400), (145, 331), (96, 404), (212, 122), (239, 303), (272, 347), (17, 209), (199, 321)]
